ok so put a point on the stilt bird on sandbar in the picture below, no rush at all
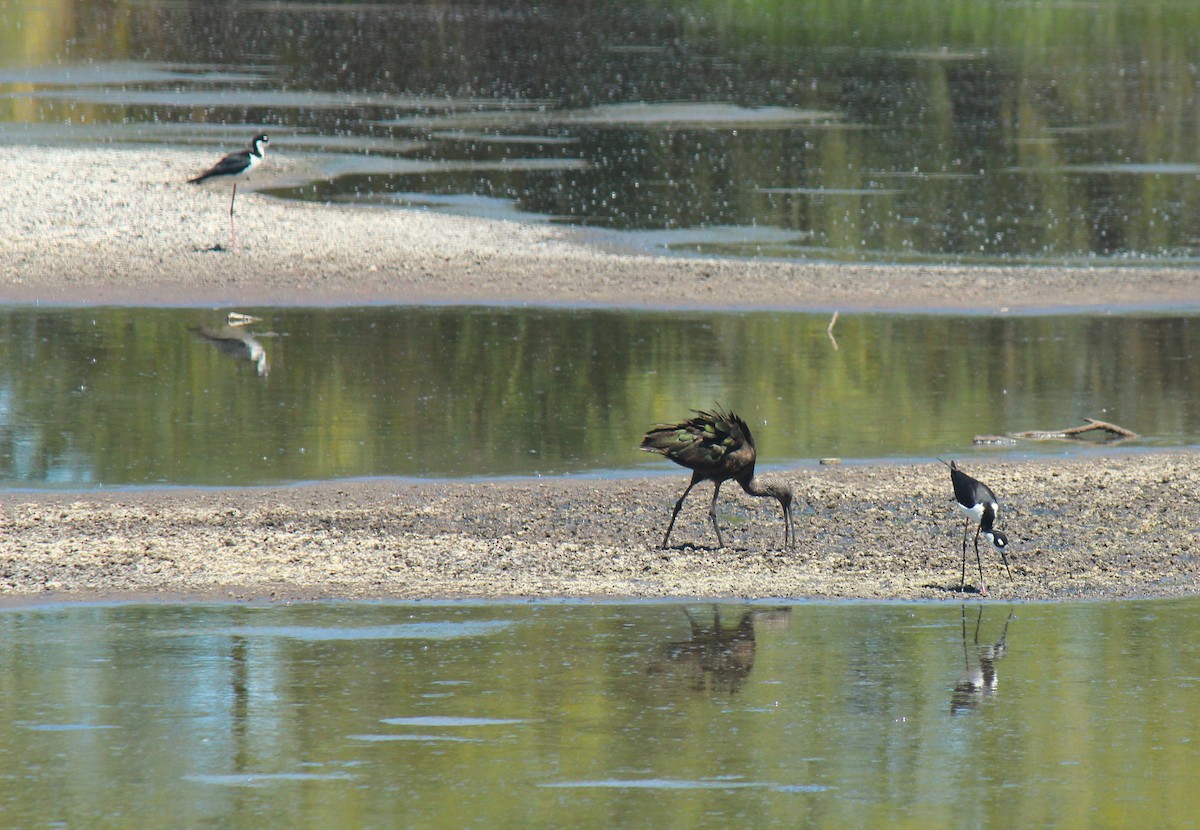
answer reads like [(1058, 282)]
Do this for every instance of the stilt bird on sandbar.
[(234, 166), (977, 502)]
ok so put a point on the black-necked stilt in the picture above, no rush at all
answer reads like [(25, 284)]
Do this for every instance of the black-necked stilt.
[(978, 503), (235, 165), (717, 446)]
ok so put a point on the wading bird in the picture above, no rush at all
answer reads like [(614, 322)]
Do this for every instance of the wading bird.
[(978, 503), (233, 166), (717, 446)]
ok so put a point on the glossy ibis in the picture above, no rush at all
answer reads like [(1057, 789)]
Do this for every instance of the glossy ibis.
[(717, 446)]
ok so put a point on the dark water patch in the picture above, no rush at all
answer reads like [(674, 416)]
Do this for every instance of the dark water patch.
[(317, 634), (264, 779), (432, 720), (674, 784), (416, 738)]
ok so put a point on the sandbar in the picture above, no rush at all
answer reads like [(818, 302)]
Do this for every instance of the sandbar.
[(116, 225)]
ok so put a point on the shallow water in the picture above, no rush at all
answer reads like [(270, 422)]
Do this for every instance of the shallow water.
[(600, 715), (118, 396), (960, 130)]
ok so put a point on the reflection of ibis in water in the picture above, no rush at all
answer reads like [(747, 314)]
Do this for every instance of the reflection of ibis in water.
[(717, 446), (979, 679), (238, 343), (715, 657)]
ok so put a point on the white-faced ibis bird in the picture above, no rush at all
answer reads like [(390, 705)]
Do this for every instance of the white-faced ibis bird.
[(717, 446), (978, 503), (232, 167)]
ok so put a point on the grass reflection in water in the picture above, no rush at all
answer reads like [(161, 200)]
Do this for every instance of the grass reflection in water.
[(607, 713), (116, 396)]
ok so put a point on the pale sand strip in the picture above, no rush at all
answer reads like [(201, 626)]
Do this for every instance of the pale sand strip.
[(119, 225)]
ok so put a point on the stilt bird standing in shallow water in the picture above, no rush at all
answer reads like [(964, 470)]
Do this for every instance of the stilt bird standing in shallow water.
[(231, 167), (717, 446), (977, 502)]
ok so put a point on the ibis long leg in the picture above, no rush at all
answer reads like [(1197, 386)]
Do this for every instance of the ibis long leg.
[(675, 512)]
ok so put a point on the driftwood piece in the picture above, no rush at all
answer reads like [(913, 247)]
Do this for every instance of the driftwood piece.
[(1112, 432)]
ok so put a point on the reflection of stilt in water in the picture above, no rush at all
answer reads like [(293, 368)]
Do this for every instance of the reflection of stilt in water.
[(714, 657), (979, 679), (239, 715), (239, 344)]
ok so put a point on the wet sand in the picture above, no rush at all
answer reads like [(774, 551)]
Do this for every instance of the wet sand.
[(111, 226)]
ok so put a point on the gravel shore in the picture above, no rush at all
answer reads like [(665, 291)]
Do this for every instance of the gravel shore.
[(1078, 528), (112, 226)]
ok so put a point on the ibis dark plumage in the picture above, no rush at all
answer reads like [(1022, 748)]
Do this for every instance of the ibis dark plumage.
[(234, 166), (977, 502), (717, 446)]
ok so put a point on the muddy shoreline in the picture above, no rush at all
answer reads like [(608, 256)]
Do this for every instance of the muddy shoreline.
[(1079, 528)]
